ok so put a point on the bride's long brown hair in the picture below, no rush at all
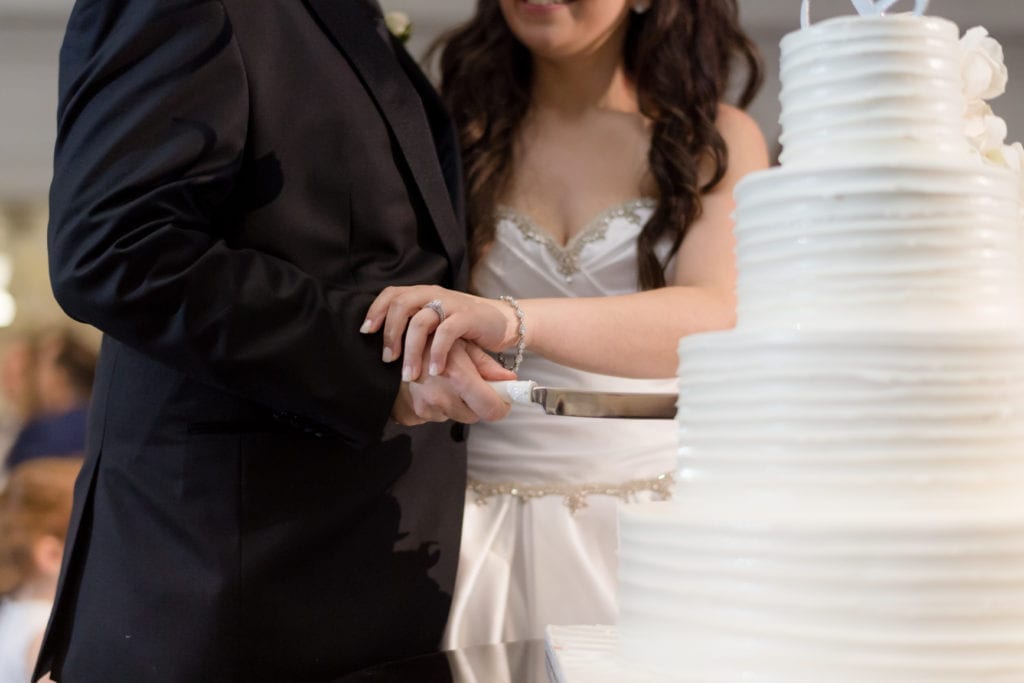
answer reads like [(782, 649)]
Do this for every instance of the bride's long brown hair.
[(679, 55)]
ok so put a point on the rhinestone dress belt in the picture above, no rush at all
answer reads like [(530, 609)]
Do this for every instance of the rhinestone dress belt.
[(575, 495)]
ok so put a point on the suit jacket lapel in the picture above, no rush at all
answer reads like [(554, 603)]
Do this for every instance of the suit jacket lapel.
[(446, 140), (400, 105)]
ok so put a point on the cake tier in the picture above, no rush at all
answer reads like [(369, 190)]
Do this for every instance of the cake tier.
[(872, 88), (887, 420), (712, 593), (898, 246)]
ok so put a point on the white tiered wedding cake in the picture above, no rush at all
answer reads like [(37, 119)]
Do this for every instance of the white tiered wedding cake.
[(850, 505)]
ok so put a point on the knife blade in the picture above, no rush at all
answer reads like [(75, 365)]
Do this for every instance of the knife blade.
[(574, 403)]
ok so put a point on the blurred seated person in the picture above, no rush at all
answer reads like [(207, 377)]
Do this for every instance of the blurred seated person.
[(17, 386), (35, 508), (63, 377)]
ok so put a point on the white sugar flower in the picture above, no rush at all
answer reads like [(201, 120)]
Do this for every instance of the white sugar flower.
[(1003, 156), (1012, 157), (984, 130), (982, 67)]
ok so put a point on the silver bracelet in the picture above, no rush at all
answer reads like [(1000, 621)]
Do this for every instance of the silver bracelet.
[(521, 341)]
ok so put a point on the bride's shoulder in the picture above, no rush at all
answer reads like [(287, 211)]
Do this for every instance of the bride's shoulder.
[(743, 138), (737, 125)]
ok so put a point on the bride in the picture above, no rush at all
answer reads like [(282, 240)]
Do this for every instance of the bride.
[(600, 163)]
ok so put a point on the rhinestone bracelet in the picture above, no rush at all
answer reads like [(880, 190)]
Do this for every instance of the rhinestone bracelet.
[(521, 341)]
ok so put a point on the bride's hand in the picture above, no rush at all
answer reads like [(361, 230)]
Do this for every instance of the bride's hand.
[(492, 325)]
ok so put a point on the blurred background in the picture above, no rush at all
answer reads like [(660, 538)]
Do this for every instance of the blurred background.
[(30, 35)]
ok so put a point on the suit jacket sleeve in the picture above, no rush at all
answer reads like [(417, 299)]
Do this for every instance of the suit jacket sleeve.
[(152, 127)]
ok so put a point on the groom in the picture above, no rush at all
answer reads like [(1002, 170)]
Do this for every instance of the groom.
[(235, 181)]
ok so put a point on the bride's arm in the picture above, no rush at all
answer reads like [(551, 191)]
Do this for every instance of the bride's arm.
[(636, 335), (633, 335)]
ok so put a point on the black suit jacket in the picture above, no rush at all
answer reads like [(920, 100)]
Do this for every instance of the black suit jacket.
[(234, 182)]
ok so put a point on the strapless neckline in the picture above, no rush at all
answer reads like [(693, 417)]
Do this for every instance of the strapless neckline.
[(567, 254), (626, 209)]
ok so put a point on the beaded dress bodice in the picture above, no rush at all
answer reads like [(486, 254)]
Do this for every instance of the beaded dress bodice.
[(530, 448)]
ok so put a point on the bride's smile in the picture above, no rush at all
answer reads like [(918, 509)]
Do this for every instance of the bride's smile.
[(545, 7), (547, 3)]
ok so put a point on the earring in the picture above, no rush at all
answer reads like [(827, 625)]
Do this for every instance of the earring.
[(641, 7)]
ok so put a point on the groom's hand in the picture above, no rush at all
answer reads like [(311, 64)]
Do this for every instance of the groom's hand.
[(461, 393)]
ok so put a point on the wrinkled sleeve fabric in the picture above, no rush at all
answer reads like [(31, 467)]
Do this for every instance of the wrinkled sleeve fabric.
[(152, 126)]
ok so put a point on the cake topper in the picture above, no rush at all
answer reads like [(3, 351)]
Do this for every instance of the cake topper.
[(867, 8)]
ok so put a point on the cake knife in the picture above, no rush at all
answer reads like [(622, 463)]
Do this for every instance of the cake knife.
[(573, 403)]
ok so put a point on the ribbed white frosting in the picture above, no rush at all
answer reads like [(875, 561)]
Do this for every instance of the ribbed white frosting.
[(851, 497), (872, 88), (874, 421), (718, 593), (885, 246)]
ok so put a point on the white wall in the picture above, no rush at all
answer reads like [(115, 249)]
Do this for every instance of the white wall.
[(28, 101)]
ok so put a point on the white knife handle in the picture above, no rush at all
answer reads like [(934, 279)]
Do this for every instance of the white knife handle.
[(515, 391)]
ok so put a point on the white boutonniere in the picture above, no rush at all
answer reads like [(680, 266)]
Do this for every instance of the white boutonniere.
[(398, 24)]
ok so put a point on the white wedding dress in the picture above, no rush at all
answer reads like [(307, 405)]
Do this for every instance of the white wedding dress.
[(539, 536)]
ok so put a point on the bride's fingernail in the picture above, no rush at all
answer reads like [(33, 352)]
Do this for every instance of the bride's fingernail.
[(367, 324), (388, 356), (434, 370), (406, 373)]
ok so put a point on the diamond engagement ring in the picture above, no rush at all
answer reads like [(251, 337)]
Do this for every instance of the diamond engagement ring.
[(436, 307)]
